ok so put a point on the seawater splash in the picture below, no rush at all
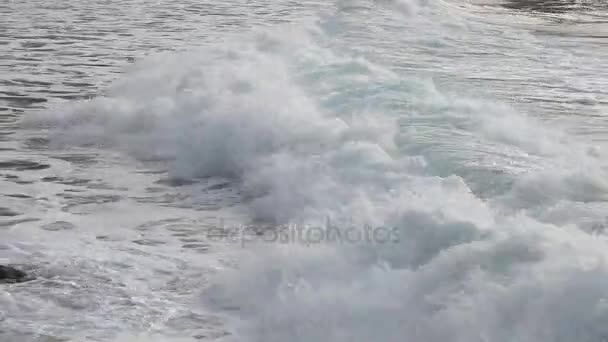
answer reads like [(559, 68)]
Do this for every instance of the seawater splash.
[(310, 133)]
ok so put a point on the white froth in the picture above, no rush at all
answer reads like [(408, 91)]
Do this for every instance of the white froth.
[(311, 131)]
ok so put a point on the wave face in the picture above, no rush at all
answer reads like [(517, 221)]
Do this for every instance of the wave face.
[(494, 203)]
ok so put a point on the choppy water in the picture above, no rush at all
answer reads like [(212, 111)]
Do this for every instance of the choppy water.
[(138, 137)]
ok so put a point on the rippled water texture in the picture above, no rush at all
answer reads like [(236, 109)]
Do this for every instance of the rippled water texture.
[(135, 135), (58, 50)]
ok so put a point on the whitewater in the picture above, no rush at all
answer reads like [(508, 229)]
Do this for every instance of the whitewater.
[(347, 170)]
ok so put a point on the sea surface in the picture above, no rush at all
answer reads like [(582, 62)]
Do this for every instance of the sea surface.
[(314, 171)]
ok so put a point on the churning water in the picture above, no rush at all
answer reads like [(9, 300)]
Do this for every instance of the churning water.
[(350, 170)]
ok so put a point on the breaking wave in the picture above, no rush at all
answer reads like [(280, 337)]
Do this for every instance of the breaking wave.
[(487, 202)]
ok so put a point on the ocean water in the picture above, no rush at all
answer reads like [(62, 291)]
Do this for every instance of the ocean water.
[(348, 170)]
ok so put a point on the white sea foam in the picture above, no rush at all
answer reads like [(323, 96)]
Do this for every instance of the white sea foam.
[(305, 131)]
